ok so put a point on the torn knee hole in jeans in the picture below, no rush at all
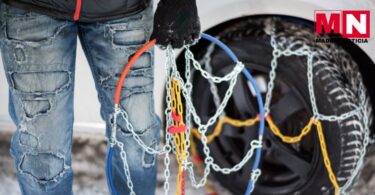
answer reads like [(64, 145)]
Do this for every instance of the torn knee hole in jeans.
[(36, 107), (19, 53), (27, 29), (40, 82), (125, 37), (43, 166), (136, 80), (28, 139), (129, 37), (144, 61)]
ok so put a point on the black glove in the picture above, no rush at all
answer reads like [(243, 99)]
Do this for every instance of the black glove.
[(176, 22)]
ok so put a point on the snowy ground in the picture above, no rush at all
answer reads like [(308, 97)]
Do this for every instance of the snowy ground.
[(88, 164)]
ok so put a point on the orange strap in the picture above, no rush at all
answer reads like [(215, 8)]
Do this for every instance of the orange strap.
[(128, 66)]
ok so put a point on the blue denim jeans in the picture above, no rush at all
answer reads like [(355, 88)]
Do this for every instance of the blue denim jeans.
[(39, 53)]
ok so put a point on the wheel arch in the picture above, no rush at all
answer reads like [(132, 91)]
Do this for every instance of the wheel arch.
[(215, 13)]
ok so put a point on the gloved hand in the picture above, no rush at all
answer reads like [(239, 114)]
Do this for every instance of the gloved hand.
[(176, 22)]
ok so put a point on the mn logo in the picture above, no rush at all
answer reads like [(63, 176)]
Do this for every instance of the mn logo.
[(349, 23)]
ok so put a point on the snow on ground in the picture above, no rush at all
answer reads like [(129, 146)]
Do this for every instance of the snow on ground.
[(89, 166)]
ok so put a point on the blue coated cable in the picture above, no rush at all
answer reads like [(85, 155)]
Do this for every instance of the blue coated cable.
[(109, 172), (221, 45), (258, 153)]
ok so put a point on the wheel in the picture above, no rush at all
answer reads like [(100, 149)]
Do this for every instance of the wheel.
[(286, 168)]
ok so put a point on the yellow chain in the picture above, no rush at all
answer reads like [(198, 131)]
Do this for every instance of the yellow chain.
[(305, 131), (177, 89), (173, 97), (327, 161), (219, 127), (178, 138), (288, 139)]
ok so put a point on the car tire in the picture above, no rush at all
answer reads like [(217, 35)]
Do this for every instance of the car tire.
[(338, 87)]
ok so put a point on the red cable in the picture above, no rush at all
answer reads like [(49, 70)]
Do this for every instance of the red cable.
[(183, 181), (177, 129), (128, 66), (78, 9)]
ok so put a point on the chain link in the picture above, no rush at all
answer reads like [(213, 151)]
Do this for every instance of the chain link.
[(207, 65), (148, 149), (129, 181), (233, 74), (254, 145), (272, 75), (254, 177)]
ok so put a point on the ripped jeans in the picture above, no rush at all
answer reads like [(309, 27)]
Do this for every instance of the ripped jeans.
[(39, 53)]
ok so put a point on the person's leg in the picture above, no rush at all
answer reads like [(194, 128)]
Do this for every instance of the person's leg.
[(38, 53), (108, 47)]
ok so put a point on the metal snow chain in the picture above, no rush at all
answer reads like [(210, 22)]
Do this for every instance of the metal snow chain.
[(115, 142), (206, 60), (173, 105), (305, 50), (187, 95), (202, 181), (148, 149), (129, 182), (254, 145), (237, 69), (203, 127), (218, 112), (255, 175), (311, 86), (333, 118), (172, 71), (188, 87), (307, 128), (200, 166), (166, 173), (207, 65), (166, 150), (272, 75)]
